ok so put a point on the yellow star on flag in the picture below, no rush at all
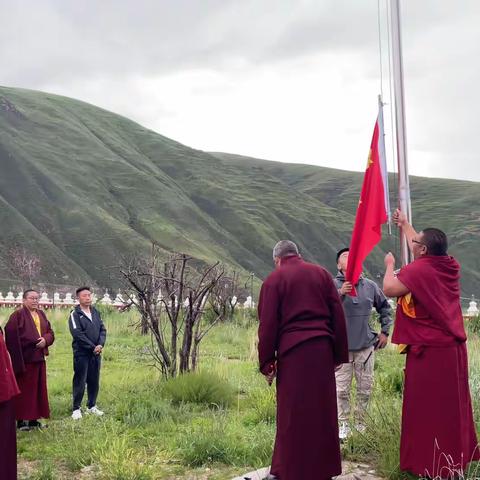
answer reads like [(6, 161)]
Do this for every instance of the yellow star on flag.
[(370, 159)]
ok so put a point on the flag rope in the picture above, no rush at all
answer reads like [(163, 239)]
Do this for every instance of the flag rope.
[(396, 245), (380, 47)]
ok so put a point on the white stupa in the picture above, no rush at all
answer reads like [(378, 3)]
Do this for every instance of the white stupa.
[(68, 300), (44, 300), (10, 297), (472, 310), (106, 300), (119, 301), (249, 303)]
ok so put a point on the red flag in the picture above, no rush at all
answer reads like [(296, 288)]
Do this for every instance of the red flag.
[(372, 207)]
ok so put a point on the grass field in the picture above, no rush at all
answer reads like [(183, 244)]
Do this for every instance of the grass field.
[(214, 425)]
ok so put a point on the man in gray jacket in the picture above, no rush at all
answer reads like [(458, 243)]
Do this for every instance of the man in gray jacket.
[(362, 341)]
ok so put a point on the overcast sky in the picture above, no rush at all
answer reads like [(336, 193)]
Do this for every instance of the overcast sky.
[(287, 80)]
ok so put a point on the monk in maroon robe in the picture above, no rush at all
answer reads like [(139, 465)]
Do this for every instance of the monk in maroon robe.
[(8, 439), (28, 336), (302, 337), (438, 432)]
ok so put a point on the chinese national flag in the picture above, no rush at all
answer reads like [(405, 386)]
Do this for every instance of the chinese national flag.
[(372, 207)]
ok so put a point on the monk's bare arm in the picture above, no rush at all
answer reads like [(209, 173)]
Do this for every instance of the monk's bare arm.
[(392, 286), (401, 220), (410, 234)]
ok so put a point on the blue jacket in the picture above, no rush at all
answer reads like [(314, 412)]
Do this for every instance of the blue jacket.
[(86, 333)]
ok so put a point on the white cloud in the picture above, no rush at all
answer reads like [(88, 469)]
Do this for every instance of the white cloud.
[(288, 80)]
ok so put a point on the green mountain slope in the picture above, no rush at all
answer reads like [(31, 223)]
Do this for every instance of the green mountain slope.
[(83, 187), (452, 205)]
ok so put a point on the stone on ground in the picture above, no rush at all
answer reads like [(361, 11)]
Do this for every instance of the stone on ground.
[(255, 475), (351, 471)]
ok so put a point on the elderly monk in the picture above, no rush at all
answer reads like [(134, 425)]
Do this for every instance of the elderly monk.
[(302, 338), (8, 440), (438, 432), (28, 336)]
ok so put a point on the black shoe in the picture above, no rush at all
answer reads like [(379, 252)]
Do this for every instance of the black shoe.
[(23, 425), (36, 424)]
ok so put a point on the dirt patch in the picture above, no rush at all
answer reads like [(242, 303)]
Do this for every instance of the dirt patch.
[(31, 469)]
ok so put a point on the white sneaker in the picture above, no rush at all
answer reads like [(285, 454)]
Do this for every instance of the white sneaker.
[(95, 411), (343, 431), (77, 414)]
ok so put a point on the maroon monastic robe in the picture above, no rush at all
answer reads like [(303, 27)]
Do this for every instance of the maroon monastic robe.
[(438, 432), (8, 439), (29, 363), (302, 328)]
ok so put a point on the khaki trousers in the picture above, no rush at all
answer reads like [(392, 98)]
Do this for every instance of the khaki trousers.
[(361, 364)]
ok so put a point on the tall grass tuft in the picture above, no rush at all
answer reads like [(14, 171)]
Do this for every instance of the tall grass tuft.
[(45, 471), (380, 442), (119, 461), (144, 408), (261, 407), (473, 326), (218, 439), (390, 381), (203, 388)]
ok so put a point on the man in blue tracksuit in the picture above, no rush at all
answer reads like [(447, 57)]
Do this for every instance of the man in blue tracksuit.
[(89, 335)]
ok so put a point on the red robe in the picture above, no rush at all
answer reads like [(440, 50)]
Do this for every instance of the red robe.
[(438, 432), (29, 363), (8, 439), (302, 328)]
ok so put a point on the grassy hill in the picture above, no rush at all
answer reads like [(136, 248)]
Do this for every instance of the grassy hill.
[(82, 187)]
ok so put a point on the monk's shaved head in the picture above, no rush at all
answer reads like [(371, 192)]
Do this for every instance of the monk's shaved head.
[(435, 240), (284, 248), (30, 299), (26, 293)]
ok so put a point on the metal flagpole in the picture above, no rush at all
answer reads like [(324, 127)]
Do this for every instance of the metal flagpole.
[(383, 160), (400, 128)]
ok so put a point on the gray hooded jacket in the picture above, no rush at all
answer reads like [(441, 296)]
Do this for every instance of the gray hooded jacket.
[(359, 309)]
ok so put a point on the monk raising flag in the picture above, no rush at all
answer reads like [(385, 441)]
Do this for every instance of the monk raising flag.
[(373, 206)]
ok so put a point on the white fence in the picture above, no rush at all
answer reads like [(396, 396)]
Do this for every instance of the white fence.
[(11, 300)]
